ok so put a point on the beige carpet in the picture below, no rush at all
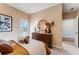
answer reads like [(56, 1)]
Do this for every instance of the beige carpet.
[(69, 48)]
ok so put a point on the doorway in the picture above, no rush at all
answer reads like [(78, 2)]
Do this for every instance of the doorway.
[(69, 31)]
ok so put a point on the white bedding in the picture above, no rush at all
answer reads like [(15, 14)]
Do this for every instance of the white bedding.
[(35, 47)]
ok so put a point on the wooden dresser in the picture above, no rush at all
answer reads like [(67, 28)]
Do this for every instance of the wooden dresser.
[(46, 38)]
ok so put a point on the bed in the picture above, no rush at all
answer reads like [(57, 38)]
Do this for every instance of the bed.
[(34, 47)]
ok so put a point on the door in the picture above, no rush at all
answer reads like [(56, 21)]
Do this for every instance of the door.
[(76, 32)]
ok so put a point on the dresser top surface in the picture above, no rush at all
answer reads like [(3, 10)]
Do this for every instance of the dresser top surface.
[(43, 33)]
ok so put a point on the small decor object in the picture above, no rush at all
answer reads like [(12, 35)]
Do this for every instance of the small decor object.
[(5, 23)]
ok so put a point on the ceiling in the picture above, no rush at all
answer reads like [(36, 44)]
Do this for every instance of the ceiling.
[(31, 8), (70, 7)]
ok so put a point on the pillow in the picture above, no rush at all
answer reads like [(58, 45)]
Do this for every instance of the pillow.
[(26, 40), (18, 49), (23, 39), (5, 47)]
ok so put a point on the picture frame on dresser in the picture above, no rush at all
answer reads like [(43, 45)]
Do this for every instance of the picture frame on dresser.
[(5, 23)]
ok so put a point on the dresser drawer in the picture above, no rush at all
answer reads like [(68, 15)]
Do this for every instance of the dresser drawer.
[(46, 38)]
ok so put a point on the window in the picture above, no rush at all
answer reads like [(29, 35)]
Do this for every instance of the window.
[(24, 25)]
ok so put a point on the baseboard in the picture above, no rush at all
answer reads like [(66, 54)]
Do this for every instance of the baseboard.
[(68, 39), (59, 47)]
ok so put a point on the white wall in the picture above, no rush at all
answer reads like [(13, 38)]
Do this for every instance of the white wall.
[(68, 28)]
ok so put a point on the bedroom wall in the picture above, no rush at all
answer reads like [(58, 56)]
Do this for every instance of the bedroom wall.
[(69, 15), (16, 17), (51, 14)]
